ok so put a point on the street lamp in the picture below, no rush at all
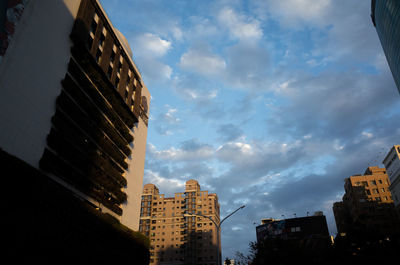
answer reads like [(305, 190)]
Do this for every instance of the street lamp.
[(218, 226)]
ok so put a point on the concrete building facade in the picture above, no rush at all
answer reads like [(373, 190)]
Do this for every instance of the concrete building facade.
[(385, 16), (392, 165), (367, 204), (178, 227), (73, 103)]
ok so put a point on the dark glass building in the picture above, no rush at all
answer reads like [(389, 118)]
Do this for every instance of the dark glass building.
[(386, 18)]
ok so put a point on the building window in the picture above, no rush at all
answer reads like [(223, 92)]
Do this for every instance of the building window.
[(109, 71), (128, 80), (126, 94), (98, 55), (365, 183), (112, 57), (295, 229), (373, 182), (93, 27), (116, 82), (101, 41)]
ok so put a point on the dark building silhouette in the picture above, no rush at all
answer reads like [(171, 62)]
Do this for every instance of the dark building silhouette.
[(385, 16), (291, 241), (293, 228), (45, 224)]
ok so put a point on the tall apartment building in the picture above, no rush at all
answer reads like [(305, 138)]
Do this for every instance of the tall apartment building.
[(73, 103), (385, 16), (178, 227), (392, 165), (367, 204)]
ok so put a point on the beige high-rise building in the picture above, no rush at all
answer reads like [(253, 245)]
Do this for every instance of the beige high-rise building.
[(179, 227), (367, 204)]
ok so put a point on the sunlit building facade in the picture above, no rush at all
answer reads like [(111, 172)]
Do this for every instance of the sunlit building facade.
[(367, 204), (178, 227), (386, 18), (73, 103)]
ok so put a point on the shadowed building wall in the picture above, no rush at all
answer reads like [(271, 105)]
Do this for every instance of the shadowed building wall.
[(392, 165), (73, 103)]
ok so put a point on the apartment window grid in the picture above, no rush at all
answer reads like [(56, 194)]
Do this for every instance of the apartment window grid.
[(181, 228)]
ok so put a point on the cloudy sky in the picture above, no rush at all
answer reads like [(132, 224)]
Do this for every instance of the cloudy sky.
[(268, 103)]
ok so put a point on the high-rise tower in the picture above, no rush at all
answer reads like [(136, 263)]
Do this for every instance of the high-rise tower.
[(179, 227), (385, 16), (367, 204), (73, 103), (392, 165)]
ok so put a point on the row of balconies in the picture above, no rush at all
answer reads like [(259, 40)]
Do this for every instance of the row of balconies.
[(100, 80), (91, 138), (53, 163), (100, 101), (69, 111)]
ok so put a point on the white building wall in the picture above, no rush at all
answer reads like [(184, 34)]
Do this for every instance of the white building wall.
[(134, 176), (30, 81), (30, 75)]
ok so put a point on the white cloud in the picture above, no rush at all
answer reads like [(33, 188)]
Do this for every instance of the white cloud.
[(177, 33), (182, 154), (154, 69), (152, 44), (364, 135), (148, 50), (170, 115), (166, 186), (337, 145), (239, 26), (367, 135), (295, 12), (197, 95), (202, 61), (203, 28)]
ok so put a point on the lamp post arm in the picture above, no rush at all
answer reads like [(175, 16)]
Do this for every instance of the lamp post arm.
[(241, 207)]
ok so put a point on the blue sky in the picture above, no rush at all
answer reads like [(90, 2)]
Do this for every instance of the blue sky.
[(268, 103)]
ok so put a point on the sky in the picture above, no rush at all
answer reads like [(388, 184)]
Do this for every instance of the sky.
[(268, 103)]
